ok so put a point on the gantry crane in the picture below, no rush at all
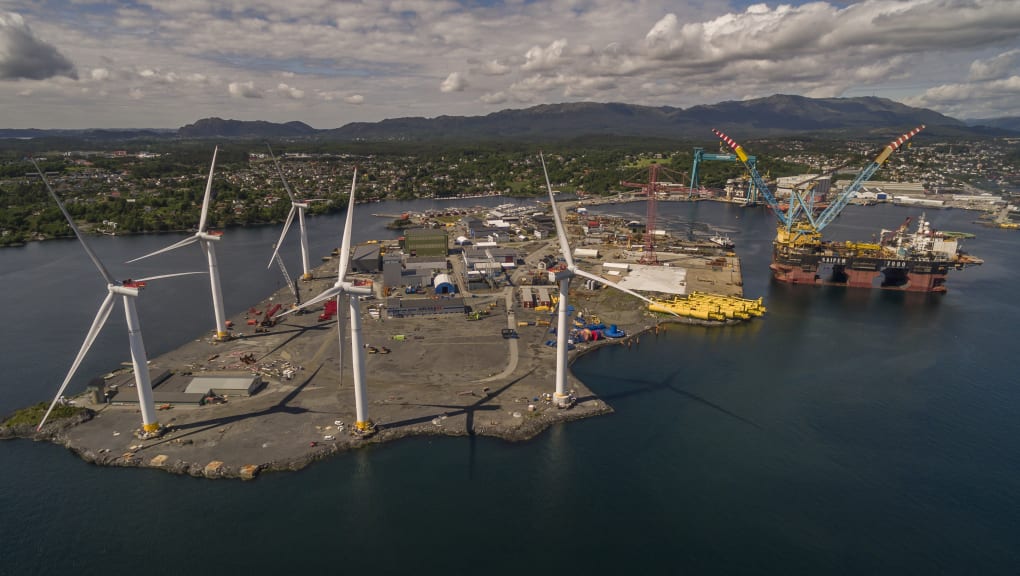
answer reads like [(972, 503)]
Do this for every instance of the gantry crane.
[(700, 155), (799, 226)]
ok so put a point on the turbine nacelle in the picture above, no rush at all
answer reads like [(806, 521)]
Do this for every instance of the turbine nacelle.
[(357, 290), (217, 236), (129, 288)]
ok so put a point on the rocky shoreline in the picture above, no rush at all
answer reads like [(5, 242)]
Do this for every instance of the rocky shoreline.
[(441, 376), (524, 426)]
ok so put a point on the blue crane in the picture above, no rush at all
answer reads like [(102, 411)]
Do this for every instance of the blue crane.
[(799, 223), (700, 155)]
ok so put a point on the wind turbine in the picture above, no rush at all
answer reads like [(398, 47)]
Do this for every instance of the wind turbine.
[(561, 398), (295, 207), (206, 241), (128, 290), (338, 290)]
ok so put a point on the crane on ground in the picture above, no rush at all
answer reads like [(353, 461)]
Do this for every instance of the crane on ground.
[(652, 190), (286, 278)]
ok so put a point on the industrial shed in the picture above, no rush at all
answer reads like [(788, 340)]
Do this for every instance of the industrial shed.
[(407, 307), (232, 384), (426, 242), (527, 297), (366, 259), (443, 284)]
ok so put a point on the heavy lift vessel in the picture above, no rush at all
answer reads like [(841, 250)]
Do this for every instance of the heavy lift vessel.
[(901, 260)]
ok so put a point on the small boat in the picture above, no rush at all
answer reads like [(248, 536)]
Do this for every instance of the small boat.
[(722, 241)]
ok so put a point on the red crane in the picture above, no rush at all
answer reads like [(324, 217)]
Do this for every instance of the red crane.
[(651, 189)]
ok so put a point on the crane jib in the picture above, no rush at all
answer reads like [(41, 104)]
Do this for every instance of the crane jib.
[(797, 205)]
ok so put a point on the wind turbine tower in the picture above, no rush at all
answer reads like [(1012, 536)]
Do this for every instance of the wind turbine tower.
[(339, 290), (560, 397), (207, 241), (128, 291), (299, 208)]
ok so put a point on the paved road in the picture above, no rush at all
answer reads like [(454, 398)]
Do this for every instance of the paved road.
[(511, 322)]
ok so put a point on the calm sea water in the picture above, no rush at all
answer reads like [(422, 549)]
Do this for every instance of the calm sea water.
[(849, 432)]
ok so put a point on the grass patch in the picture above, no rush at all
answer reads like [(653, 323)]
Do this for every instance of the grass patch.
[(32, 415)]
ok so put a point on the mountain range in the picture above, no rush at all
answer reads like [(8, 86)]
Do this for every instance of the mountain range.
[(777, 115)]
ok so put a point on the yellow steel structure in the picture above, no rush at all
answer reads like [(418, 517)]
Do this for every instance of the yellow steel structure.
[(705, 306)]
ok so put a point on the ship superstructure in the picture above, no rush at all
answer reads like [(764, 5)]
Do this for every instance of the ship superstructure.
[(902, 260)]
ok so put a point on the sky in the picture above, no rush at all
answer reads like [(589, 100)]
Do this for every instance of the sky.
[(168, 63)]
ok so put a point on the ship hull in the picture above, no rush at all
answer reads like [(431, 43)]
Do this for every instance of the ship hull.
[(856, 272)]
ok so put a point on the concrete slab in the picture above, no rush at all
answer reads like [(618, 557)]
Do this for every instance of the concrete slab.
[(667, 280)]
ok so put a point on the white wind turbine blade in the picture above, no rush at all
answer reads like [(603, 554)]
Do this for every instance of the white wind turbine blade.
[(97, 325), (345, 245), (279, 171), (208, 193), (609, 283), (174, 246), (286, 227), (88, 249), (325, 295), (161, 276), (560, 230)]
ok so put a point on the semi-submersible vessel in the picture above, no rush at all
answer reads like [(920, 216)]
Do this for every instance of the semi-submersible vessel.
[(902, 259), (913, 261)]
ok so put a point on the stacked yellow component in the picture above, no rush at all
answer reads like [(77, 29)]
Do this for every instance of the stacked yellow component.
[(705, 306)]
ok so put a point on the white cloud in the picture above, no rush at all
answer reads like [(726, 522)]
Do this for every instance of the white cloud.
[(972, 99), (244, 90), (187, 55), (455, 82), (539, 59), (290, 91), (494, 68), (996, 67), (494, 98), (585, 87), (136, 94)]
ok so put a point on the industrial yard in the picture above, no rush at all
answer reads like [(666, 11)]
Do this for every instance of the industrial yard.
[(454, 345)]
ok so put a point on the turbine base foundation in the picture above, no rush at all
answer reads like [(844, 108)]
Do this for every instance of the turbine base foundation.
[(564, 400), (150, 431)]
